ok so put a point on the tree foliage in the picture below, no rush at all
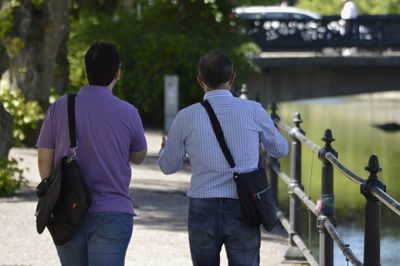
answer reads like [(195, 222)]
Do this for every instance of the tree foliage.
[(11, 177), (165, 38), (26, 114), (155, 37)]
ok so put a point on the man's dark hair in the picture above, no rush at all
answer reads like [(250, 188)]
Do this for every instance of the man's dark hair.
[(102, 62), (215, 68)]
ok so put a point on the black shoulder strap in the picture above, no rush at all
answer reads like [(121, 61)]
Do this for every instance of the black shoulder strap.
[(218, 133), (71, 121)]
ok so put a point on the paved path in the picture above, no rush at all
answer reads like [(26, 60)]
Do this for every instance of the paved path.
[(159, 235)]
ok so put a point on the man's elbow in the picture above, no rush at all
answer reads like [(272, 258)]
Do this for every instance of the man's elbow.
[(281, 152), (166, 167), (138, 157), (166, 170), (285, 150)]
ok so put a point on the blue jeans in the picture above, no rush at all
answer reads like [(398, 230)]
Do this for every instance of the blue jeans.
[(216, 222), (102, 239)]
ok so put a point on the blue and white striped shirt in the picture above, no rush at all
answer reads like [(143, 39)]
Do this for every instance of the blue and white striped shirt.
[(245, 124)]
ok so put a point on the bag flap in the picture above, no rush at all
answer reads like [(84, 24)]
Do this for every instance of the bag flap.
[(255, 181), (48, 199)]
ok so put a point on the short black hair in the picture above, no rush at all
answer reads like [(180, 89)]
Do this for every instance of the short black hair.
[(215, 68), (102, 62)]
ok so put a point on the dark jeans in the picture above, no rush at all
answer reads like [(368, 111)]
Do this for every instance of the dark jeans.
[(214, 222), (102, 239)]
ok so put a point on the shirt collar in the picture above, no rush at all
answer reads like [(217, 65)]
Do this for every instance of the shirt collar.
[(217, 93), (95, 87)]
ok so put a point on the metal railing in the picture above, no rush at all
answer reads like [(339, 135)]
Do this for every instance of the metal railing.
[(370, 32), (371, 188)]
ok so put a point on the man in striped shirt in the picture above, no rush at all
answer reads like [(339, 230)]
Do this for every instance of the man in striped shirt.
[(214, 217)]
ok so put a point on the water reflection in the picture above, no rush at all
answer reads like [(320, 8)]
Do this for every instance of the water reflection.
[(352, 121)]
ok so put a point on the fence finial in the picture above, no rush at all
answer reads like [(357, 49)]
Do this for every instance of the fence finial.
[(328, 137), (274, 107), (373, 168), (373, 165), (297, 119)]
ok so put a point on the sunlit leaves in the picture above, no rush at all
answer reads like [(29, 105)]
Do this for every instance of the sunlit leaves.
[(11, 177), (26, 114), (38, 4)]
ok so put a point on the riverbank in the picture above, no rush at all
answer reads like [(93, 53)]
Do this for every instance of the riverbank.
[(159, 236)]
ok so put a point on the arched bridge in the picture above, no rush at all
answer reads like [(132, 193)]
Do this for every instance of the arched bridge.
[(300, 75), (307, 59)]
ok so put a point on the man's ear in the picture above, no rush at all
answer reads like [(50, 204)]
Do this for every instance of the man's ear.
[(232, 78), (117, 74), (200, 81)]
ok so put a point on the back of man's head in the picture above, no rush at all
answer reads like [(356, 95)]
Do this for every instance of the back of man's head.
[(215, 68), (102, 62)]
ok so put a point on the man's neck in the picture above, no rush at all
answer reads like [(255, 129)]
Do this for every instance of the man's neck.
[(219, 89)]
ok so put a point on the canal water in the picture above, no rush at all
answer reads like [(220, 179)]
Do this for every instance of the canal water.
[(353, 121)]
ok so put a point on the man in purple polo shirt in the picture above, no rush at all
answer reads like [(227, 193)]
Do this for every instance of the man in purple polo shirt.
[(110, 135)]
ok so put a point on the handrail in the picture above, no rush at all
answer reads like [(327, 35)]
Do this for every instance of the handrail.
[(371, 188), (347, 252), (306, 141), (298, 135), (298, 241), (284, 176), (378, 32), (385, 198), (341, 244), (343, 169), (327, 224)]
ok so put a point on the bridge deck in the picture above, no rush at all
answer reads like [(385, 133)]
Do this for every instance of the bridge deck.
[(298, 75), (267, 60)]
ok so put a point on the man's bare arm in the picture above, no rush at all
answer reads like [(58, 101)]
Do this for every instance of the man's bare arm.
[(45, 162), (138, 157)]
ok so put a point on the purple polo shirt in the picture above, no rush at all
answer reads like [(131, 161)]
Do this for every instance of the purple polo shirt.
[(108, 130)]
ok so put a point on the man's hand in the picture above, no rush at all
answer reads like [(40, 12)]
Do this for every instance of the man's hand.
[(163, 142)]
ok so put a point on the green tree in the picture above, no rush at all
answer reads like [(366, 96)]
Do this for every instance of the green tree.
[(33, 33), (164, 38)]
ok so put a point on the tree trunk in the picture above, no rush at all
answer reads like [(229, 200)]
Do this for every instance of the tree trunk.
[(6, 121), (6, 125), (61, 73), (4, 59), (43, 31)]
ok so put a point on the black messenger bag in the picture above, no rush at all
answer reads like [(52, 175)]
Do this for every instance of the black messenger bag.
[(64, 197), (255, 195)]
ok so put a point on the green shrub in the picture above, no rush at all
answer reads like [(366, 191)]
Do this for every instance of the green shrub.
[(11, 177), (26, 114)]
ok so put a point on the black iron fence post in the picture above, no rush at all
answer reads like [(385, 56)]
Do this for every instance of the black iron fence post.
[(372, 243), (273, 176), (273, 162), (294, 254), (326, 203)]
